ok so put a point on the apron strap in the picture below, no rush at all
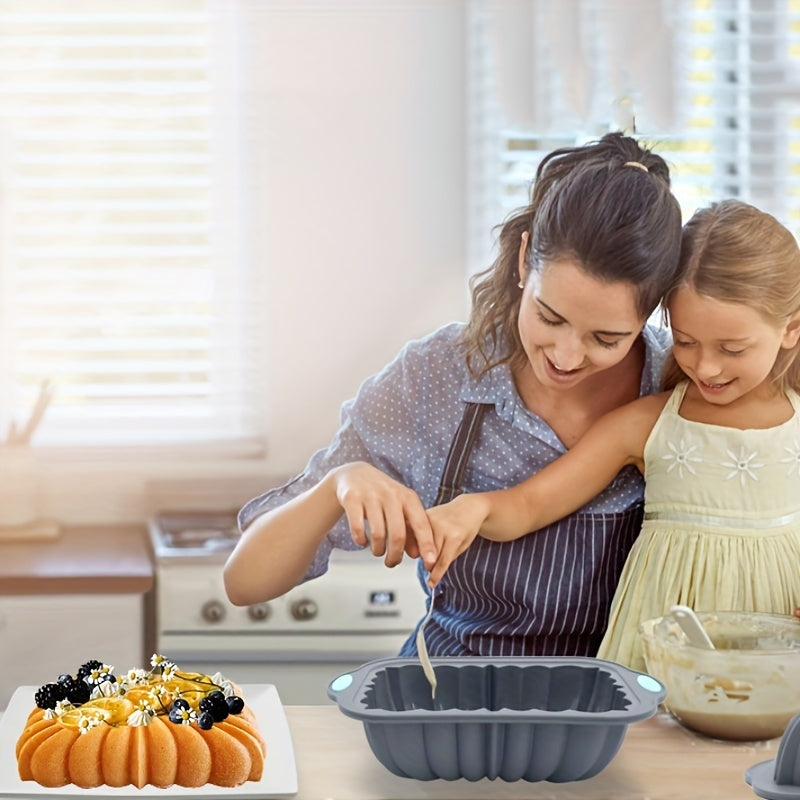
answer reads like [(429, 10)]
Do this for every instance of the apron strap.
[(460, 448)]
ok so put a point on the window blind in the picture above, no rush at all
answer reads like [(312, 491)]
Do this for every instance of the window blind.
[(736, 81), (121, 278)]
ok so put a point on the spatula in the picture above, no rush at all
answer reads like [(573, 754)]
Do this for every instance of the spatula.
[(422, 649), (692, 627)]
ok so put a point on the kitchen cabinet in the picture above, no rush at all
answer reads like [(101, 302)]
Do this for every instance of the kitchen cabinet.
[(43, 636), (83, 595)]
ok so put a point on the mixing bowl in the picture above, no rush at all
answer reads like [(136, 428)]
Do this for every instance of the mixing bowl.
[(746, 688)]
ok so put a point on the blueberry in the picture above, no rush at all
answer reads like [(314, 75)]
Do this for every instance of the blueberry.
[(65, 678), (176, 715), (205, 705), (235, 704), (181, 702), (205, 721), (217, 698)]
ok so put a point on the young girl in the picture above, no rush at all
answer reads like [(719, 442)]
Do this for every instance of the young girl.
[(719, 451)]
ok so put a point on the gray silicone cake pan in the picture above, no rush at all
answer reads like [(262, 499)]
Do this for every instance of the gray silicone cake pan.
[(514, 718), (779, 779)]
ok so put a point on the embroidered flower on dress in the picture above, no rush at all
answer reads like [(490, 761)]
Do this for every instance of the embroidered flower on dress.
[(793, 459), (681, 456), (742, 465)]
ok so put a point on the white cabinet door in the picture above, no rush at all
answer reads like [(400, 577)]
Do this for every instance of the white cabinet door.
[(43, 636)]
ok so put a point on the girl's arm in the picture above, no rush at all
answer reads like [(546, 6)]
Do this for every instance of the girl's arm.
[(277, 548), (569, 482)]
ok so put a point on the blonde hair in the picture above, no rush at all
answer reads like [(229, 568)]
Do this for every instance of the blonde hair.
[(735, 253)]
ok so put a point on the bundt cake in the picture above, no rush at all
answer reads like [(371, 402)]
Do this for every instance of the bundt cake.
[(161, 727)]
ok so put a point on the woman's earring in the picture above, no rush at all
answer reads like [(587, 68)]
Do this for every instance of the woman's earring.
[(521, 284)]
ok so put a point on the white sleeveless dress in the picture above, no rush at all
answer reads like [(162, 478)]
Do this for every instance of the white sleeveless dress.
[(721, 527)]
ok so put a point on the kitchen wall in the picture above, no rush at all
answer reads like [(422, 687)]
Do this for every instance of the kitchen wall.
[(354, 121)]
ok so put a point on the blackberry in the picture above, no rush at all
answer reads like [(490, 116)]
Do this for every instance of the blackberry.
[(48, 695), (235, 704), (86, 668), (77, 691)]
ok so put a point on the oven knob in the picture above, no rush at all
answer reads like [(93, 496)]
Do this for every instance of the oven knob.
[(304, 609), (213, 611), (259, 611)]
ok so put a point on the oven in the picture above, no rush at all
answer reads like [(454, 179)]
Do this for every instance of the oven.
[(357, 611)]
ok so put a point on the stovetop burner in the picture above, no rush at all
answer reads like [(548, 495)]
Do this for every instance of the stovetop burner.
[(190, 533)]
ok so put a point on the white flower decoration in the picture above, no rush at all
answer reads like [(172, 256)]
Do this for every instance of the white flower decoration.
[(742, 465), (168, 670), (99, 674), (136, 677), (681, 458), (86, 722), (156, 660), (793, 459), (186, 716)]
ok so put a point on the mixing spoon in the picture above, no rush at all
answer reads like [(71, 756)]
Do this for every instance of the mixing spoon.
[(692, 627)]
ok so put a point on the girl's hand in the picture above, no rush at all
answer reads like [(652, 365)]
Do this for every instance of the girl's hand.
[(455, 526), (394, 513)]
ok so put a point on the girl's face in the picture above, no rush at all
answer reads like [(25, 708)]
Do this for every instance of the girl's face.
[(573, 325), (727, 349)]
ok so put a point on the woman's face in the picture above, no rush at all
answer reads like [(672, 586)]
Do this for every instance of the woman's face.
[(573, 325)]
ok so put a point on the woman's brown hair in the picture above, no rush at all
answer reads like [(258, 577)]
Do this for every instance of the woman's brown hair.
[(595, 205), (736, 253)]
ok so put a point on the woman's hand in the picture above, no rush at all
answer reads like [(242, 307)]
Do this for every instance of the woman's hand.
[(394, 514), (455, 526)]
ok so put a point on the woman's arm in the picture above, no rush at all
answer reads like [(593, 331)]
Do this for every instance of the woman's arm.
[(277, 548), (562, 487)]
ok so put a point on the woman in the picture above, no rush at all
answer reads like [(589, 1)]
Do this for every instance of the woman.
[(557, 337)]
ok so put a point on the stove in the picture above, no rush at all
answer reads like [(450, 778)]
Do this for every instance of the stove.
[(357, 611)]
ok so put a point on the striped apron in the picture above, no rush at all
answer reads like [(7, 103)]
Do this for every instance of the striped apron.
[(546, 593)]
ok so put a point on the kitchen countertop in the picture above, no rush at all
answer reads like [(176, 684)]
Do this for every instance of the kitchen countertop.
[(658, 760), (90, 559)]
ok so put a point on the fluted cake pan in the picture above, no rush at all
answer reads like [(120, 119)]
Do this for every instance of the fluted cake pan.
[(515, 718)]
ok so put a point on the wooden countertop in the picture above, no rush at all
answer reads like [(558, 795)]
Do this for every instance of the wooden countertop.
[(91, 559), (658, 760)]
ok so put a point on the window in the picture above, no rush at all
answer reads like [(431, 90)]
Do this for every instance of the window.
[(729, 71), (122, 280)]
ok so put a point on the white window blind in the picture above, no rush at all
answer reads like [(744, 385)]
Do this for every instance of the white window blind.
[(122, 280), (734, 71)]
